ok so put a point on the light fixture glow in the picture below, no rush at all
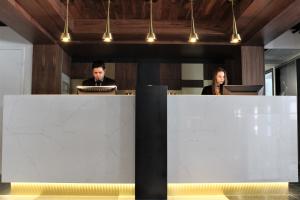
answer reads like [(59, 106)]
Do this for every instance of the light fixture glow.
[(151, 37), (193, 35), (65, 36), (107, 36), (235, 37)]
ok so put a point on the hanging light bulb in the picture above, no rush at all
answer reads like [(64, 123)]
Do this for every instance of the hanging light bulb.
[(235, 37), (151, 37), (107, 36), (193, 35), (65, 36)]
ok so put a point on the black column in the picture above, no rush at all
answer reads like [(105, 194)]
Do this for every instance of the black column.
[(298, 107), (148, 74), (151, 135)]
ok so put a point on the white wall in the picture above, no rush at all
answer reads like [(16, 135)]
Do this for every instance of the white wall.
[(287, 40), (15, 68)]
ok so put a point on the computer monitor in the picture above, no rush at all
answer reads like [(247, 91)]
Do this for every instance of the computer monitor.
[(243, 90), (96, 90)]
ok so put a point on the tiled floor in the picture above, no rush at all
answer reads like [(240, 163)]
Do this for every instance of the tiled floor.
[(294, 194)]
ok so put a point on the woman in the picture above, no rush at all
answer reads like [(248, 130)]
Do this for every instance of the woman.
[(219, 80)]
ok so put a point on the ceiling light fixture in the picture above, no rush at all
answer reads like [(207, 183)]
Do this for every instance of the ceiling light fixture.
[(235, 37), (193, 35), (107, 36), (151, 37), (65, 36)]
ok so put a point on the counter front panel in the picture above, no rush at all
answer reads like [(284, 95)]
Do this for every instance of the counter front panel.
[(91, 139)]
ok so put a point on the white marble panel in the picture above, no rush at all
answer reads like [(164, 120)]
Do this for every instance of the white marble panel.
[(232, 139), (68, 139), (91, 139)]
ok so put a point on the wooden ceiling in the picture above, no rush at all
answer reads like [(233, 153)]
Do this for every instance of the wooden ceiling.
[(139, 9), (42, 21)]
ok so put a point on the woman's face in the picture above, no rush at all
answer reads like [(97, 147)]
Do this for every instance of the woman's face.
[(220, 78)]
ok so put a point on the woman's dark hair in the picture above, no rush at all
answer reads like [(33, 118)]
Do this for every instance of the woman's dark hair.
[(98, 64), (214, 79)]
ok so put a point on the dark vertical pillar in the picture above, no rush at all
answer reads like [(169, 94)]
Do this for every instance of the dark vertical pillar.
[(278, 81), (298, 108), (148, 74), (151, 135)]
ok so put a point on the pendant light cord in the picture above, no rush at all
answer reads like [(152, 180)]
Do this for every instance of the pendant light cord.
[(108, 18), (192, 16), (67, 18), (233, 16)]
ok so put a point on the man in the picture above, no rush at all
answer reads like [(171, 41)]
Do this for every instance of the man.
[(99, 78)]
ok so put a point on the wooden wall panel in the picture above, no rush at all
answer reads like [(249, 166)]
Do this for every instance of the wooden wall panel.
[(47, 68), (81, 70), (253, 68), (46, 75), (170, 75), (125, 75), (66, 64), (234, 71)]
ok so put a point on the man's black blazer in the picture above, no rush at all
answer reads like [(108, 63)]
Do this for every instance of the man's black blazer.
[(106, 82)]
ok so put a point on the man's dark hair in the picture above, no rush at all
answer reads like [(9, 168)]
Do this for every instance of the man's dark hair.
[(98, 64)]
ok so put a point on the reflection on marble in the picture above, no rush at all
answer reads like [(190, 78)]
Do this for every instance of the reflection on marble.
[(232, 139), (68, 139)]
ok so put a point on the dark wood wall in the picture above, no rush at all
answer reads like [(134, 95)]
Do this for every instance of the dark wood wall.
[(49, 61), (253, 69), (126, 75), (81, 70), (245, 65), (170, 75), (232, 67)]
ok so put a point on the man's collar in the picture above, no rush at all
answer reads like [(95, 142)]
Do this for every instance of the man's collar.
[(99, 80)]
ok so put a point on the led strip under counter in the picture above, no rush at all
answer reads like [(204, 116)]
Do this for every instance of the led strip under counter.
[(127, 190)]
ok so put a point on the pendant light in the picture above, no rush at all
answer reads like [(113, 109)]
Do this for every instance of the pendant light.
[(65, 36), (193, 35), (107, 36), (151, 37), (235, 37)]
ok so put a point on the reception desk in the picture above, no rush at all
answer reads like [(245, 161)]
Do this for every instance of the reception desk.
[(91, 139)]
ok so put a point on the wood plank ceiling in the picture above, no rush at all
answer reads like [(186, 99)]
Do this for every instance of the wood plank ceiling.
[(42, 21)]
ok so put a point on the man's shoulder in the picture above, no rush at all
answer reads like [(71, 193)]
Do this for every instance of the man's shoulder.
[(87, 81), (109, 80)]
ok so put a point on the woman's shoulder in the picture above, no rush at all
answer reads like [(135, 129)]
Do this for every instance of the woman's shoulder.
[(207, 90)]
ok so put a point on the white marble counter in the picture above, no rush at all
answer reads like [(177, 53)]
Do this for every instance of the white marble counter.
[(232, 139), (90, 139), (68, 139)]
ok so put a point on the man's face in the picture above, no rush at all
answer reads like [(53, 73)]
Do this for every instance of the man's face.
[(98, 73)]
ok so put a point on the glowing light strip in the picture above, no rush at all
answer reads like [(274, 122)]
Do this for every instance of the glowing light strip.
[(128, 189), (227, 189), (72, 189)]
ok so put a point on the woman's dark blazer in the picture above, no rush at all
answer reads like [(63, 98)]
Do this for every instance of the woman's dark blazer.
[(207, 90)]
